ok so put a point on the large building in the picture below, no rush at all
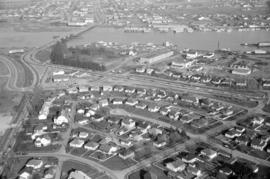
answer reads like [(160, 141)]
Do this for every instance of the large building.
[(9, 4), (156, 57)]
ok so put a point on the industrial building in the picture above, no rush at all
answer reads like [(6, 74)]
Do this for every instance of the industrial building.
[(156, 57)]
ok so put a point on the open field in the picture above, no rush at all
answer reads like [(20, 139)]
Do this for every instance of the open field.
[(8, 99), (44, 55), (3, 69)]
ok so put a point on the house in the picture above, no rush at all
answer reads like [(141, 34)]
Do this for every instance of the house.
[(72, 90), (181, 64), (194, 170), (43, 141), (130, 90), (76, 143), (206, 79), (118, 88), (113, 120), (78, 175), (209, 55), (25, 175), (226, 171), (159, 143), (83, 135), (140, 69), (266, 83), (240, 129), (126, 153), (121, 131), (97, 118), (34, 163), (90, 113), (61, 119), (83, 89), (241, 83), (117, 101), (131, 102), (104, 102), (141, 106), (190, 99), (109, 148), (143, 126), (232, 133), (258, 144), (164, 111), (83, 121), (155, 131), (216, 80), (186, 119), (95, 88), (149, 71), (189, 158), (91, 145), (141, 91), (49, 173), (128, 123), (94, 107), (176, 166), (258, 120), (126, 143), (39, 130), (242, 140), (43, 113), (153, 108), (209, 153), (80, 111), (107, 88), (192, 54)]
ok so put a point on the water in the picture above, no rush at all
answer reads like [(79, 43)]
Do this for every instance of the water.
[(195, 40), (26, 39)]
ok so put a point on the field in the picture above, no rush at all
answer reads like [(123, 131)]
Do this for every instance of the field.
[(8, 99), (3, 69), (43, 55)]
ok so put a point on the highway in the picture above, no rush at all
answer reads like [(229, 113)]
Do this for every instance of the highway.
[(11, 84)]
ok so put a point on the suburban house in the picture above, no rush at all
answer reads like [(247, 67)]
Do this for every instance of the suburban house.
[(78, 175), (211, 154), (126, 153), (128, 123), (176, 166), (91, 145), (35, 163), (76, 143)]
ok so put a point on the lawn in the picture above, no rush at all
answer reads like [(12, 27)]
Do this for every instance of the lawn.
[(117, 163)]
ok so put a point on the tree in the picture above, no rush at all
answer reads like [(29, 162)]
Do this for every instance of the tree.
[(58, 52)]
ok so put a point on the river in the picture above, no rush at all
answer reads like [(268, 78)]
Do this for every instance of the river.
[(195, 40)]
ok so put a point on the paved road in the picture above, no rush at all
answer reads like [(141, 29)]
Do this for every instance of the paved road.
[(13, 74)]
